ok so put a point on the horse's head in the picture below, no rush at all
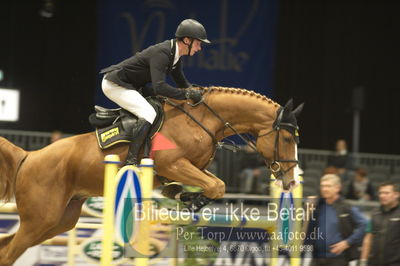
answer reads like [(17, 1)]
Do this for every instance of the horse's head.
[(283, 137)]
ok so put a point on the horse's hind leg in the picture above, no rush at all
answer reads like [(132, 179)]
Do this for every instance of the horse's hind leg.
[(5, 240), (68, 220), (37, 215), (26, 236)]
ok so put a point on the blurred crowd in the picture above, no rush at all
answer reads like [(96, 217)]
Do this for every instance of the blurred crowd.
[(348, 235)]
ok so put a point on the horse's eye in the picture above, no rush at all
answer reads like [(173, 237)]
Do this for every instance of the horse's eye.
[(287, 139)]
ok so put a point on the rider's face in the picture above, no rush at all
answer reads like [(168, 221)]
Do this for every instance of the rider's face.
[(196, 46)]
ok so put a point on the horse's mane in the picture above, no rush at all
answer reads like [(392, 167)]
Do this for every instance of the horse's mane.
[(241, 92)]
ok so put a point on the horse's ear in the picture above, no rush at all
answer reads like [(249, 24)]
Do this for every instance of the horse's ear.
[(289, 105), (298, 110)]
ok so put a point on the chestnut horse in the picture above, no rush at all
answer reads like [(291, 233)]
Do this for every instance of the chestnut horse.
[(51, 184)]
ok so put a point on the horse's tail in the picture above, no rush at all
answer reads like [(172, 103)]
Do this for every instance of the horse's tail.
[(11, 157)]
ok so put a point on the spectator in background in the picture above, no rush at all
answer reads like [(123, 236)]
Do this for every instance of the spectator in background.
[(340, 160), (56, 135), (360, 188), (381, 244), (253, 169), (330, 170), (341, 227)]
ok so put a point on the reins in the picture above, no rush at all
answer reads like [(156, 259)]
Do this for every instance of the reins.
[(180, 108), (274, 166)]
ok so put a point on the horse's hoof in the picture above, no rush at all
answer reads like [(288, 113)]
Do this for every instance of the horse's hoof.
[(171, 190), (194, 201), (189, 196)]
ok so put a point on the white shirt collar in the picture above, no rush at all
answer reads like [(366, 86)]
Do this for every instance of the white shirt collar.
[(177, 56)]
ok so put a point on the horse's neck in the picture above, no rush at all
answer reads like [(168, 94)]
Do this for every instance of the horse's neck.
[(246, 111)]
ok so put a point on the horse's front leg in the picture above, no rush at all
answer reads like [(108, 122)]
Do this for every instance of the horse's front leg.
[(211, 175), (185, 172)]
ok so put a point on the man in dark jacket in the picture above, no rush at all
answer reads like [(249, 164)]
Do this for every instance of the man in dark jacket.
[(382, 242), (340, 227), (125, 82)]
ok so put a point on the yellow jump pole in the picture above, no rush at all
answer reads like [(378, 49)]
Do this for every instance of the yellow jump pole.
[(111, 169), (275, 193), (71, 247), (146, 183), (295, 255)]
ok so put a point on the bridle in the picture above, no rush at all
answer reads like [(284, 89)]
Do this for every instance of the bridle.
[(274, 165)]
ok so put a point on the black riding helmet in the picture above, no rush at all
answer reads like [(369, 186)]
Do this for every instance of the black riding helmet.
[(192, 29)]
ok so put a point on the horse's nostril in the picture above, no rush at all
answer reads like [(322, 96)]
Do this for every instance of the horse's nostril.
[(289, 185)]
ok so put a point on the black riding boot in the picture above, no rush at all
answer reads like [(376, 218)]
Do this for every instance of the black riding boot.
[(139, 137)]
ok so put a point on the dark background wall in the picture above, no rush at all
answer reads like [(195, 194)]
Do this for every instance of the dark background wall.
[(323, 50), (52, 62), (236, 28), (327, 48)]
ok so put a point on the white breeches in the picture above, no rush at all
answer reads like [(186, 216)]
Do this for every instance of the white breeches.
[(130, 100)]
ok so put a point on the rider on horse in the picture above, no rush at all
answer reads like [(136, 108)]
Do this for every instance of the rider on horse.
[(125, 83)]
